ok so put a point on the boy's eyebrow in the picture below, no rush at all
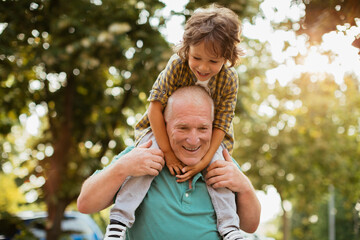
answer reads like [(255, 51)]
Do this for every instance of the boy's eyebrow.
[(212, 57)]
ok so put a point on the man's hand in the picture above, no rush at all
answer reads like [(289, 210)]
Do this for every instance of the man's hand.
[(98, 190), (142, 160), (174, 165), (190, 171), (227, 174)]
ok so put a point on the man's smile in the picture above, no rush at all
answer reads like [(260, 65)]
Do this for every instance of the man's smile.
[(192, 149)]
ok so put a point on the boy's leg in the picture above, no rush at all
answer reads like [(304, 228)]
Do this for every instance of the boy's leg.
[(224, 202), (132, 193)]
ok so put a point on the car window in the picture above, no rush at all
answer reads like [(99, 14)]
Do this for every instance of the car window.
[(69, 226), (75, 225)]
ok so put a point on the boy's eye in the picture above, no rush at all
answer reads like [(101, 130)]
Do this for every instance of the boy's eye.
[(196, 58)]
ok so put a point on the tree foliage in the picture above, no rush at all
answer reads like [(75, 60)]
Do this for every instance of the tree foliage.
[(324, 16), (308, 141), (87, 65), (84, 68), (303, 136)]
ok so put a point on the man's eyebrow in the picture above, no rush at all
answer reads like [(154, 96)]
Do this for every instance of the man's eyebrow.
[(181, 124)]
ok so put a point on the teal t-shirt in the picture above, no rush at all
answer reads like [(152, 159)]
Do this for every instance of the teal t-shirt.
[(174, 210)]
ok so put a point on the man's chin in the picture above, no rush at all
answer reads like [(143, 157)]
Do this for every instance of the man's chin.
[(190, 161)]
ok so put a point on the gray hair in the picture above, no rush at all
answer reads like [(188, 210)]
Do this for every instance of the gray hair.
[(197, 95)]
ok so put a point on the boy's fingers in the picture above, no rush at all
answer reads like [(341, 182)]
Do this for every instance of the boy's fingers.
[(171, 171), (184, 176), (177, 170), (183, 179)]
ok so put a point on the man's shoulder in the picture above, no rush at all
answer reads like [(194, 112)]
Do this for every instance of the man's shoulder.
[(125, 151)]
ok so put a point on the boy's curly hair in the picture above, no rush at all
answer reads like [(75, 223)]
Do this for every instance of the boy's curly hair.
[(218, 27)]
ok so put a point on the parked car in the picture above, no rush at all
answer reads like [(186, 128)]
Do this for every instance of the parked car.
[(255, 236), (74, 226)]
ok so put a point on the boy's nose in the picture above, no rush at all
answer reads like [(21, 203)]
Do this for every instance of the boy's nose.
[(203, 67)]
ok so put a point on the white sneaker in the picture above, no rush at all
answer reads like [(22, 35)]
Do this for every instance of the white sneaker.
[(115, 231), (235, 235)]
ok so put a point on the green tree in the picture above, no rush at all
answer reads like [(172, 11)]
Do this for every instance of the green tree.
[(319, 228), (307, 143), (300, 137), (324, 16), (88, 65)]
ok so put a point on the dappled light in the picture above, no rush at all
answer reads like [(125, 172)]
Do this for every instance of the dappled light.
[(75, 81)]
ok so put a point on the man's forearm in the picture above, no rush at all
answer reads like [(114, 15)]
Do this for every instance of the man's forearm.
[(249, 209), (98, 191)]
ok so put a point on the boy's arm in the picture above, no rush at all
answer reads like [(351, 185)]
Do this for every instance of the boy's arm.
[(157, 124), (190, 171)]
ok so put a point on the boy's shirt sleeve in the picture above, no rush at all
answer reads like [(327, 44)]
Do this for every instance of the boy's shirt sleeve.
[(225, 109), (165, 84)]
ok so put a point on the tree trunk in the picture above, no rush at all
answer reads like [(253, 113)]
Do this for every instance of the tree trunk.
[(55, 216), (285, 218), (56, 198), (286, 225)]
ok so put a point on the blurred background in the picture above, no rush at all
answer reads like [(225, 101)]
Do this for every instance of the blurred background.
[(75, 76)]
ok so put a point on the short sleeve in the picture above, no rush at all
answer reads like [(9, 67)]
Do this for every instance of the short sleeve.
[(165, 83), (225, 110)]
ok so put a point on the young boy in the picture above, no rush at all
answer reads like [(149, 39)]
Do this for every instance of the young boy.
[(205, 57)]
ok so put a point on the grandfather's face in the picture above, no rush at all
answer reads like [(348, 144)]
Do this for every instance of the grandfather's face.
[(189, 130)]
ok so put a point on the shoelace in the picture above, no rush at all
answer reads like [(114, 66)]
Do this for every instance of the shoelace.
[(115, 231)]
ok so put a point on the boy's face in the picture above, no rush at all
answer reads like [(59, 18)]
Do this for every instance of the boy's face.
[(203, 63)]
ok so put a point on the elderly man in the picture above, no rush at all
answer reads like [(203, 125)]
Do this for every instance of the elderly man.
[(174, 210)]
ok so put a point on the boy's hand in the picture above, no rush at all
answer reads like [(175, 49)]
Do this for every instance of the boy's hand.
[(190, 171), (173, 164)]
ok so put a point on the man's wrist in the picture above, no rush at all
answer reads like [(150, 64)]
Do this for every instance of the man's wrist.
[(119, 170), (246, 189)]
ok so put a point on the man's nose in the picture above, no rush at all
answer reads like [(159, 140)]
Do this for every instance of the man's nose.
[(193, 138)]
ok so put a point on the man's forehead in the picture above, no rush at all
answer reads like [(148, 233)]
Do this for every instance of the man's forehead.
[(191, 120)]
